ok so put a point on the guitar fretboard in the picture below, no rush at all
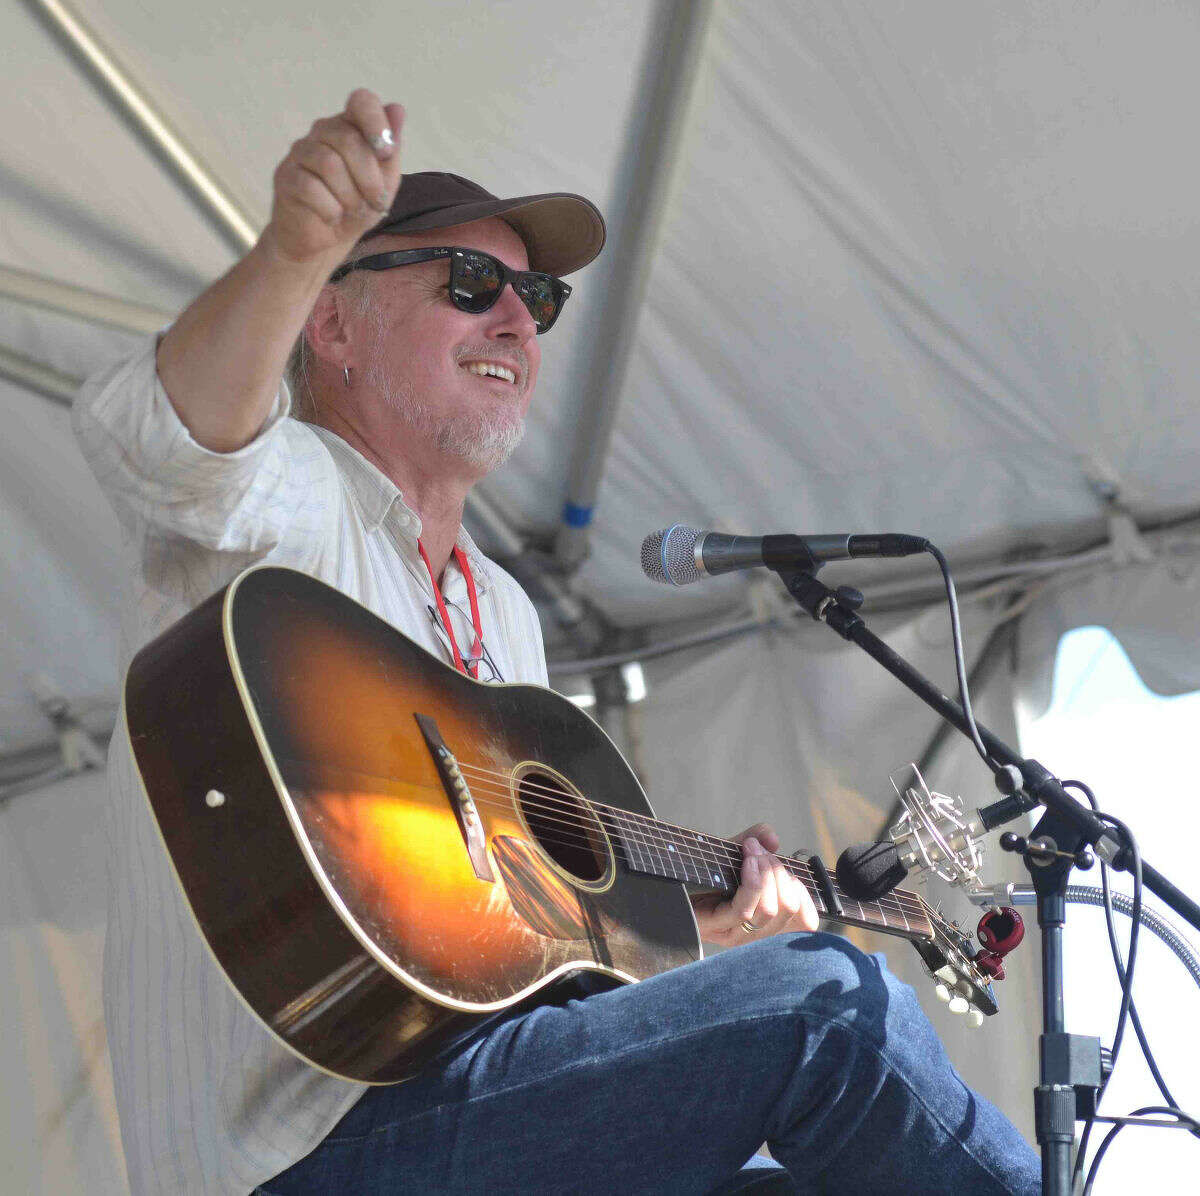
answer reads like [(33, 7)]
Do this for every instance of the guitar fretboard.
[(654, 848)]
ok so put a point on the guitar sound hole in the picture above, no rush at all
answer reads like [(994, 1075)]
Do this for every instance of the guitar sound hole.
[(564, 826)]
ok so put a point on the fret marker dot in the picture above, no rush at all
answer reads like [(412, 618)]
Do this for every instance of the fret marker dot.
[(670, 846), (716, 879)]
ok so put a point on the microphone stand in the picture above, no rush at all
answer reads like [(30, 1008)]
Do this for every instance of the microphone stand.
[(1071, 1070)]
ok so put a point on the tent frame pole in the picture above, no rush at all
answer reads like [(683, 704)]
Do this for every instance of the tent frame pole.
[(673, 63), (133, 106), (32, 375), (66, 299)]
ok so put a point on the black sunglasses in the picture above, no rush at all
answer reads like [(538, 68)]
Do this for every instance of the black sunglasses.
[(477, 280)]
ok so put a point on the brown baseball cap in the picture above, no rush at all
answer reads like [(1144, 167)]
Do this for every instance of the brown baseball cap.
[(562, 232)]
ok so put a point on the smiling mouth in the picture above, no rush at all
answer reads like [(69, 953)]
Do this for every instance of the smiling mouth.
[(490, 369)]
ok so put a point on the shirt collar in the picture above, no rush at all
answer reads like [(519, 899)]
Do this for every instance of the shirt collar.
[(375, 494)]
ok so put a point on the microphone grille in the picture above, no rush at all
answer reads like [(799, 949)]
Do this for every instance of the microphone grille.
[(669, 555)]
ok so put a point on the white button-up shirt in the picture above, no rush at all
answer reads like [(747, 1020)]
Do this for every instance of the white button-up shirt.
[(208, 1099)]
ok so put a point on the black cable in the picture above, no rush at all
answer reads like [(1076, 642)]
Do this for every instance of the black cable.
[(1178, 1114), (1125, 977), (1089, 1121), (1119, 960), (1135, 926), (1127, 1006), (1119, 964), (960, 664), (1136, 914)]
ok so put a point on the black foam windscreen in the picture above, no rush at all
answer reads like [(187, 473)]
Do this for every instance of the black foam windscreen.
[(868, 871)]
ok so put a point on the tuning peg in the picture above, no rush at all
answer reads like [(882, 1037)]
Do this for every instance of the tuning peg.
[(941, 992), (974, 1019), (959, 1004)]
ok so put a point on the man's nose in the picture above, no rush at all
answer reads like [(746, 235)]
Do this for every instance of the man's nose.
[(510, 317)]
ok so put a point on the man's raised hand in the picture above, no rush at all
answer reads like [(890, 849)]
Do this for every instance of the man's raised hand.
[(336, 181), (221, 361)]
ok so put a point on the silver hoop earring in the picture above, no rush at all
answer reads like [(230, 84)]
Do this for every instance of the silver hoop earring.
[(346, 372)]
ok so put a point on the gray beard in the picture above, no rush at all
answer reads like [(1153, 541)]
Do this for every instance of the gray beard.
[(483, 440)]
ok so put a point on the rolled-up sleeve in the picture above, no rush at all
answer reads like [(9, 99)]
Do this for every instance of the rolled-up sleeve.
[(158, 477)]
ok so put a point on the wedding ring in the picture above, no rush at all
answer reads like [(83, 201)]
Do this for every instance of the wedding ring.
[(749, 927), (380, 140)]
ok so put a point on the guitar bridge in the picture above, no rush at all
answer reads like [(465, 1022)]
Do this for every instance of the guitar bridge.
[(459, 794)]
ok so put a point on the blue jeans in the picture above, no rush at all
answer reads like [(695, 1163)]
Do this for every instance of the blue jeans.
[(671, 1085)]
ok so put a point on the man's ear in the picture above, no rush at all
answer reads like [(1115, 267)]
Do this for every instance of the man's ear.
[(325, 330)]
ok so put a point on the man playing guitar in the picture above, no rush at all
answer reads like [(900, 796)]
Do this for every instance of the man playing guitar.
[(406, 318)]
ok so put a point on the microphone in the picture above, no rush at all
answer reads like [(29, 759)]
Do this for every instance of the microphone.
[(934, 835), (868, 871), (679, 555)]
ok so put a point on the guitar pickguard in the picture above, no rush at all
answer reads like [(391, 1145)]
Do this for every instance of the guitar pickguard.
[(545, 902)]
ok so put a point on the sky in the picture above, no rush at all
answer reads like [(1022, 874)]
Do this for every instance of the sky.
[(1136, 750)]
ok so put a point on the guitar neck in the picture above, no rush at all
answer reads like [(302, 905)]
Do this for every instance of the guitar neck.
[(654, 848)]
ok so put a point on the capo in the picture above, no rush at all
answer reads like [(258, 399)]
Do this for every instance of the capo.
[(824, 882)]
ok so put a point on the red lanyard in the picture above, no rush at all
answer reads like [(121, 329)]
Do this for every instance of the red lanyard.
[(477, 646)]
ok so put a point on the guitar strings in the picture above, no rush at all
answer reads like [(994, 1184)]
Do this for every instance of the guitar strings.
[(721, 853), (730, 857), (732, 851), (710, 843), (567, 802), (731, 862), (917, 923)]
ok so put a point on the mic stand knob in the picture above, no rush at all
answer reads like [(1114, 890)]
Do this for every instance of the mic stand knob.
[(848, 598), (1042, 852)]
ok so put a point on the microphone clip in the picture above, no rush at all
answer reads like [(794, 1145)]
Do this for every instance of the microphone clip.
[(837, 609), (934, 834), (846, 597)]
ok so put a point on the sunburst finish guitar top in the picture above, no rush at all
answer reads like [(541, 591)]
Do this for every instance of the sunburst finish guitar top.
[(379, 850)]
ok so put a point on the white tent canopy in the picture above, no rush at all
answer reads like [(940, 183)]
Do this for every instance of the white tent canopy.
[(919, 266)]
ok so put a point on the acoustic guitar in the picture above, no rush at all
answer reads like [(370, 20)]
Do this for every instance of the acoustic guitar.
[(380, 851)]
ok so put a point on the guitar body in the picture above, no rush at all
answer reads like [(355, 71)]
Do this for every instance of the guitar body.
[(321, 848)]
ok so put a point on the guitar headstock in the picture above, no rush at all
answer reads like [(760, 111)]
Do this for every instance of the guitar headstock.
[(960, 981)]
